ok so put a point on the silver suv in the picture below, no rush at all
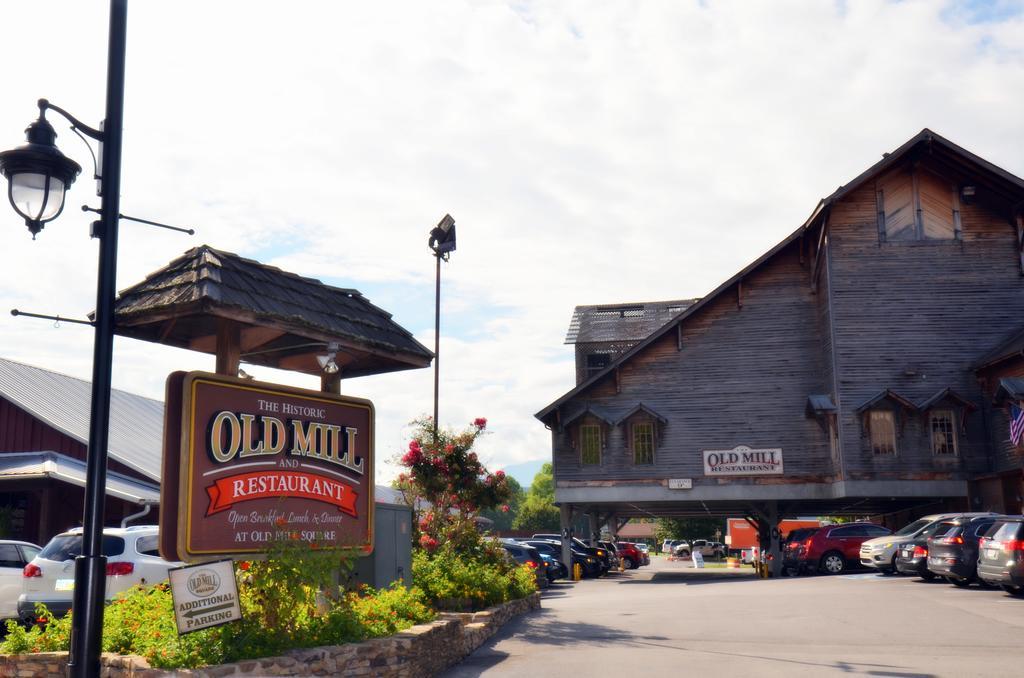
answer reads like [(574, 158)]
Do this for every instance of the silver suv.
[(880, 553), (132, 559)]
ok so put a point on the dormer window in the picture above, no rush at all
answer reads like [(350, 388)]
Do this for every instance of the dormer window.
[(643, 442), (917, 205), (942, 424), (590, 444), (882, 425)]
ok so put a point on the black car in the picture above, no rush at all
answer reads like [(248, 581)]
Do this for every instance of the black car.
[(912, 555), (528, 555), (589, 565), (790, 560), (1001, 555), (601, 554), (954, 554)]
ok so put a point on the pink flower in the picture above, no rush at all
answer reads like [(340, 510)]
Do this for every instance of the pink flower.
[(480, 423), (449, 448), (428, 542), (505, 508), (500, 475), (412, 457), (414, 446)]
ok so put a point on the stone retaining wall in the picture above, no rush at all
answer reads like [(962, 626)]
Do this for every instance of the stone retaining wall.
[(423, 650)]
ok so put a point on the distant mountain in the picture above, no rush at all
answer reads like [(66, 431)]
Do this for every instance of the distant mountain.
[(525, 471)]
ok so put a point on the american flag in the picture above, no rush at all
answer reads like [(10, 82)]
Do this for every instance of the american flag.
[(1016, 424)]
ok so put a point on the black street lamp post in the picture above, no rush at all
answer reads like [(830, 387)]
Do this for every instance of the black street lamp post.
[(442, 241), (38, 175)]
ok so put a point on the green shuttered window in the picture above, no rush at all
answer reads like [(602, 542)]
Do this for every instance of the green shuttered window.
[(643, 443), (590, 444)]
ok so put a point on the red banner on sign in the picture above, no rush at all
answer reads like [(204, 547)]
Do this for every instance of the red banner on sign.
[(226, 492)]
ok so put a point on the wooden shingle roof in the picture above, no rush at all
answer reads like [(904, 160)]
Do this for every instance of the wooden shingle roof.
[(286, 320)]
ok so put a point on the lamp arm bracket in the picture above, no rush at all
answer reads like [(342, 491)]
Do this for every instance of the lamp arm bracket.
[(57, 320), (90, 132), (190, 231)]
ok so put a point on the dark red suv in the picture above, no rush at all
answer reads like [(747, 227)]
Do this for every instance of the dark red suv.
[(629, 554), (834, 548)]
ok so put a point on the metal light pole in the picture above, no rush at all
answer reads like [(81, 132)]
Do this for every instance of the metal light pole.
[(38, 175), (442, 242)]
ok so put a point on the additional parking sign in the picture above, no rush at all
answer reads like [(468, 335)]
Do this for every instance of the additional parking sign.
[(204, 595)]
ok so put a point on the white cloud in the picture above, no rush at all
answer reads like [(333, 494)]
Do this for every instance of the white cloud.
[(589, 151)]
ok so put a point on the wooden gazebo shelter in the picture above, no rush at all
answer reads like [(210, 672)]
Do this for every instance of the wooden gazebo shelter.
[(241, 310)]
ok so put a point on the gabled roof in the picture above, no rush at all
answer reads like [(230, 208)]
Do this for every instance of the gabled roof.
[(640, 407), (1009, 348), (1000, 185), (622, 322), (1010, 388), (286, 320), (136, 422), (27, 465), (947, 395), (819, 404), (886, 394), (591, 409)]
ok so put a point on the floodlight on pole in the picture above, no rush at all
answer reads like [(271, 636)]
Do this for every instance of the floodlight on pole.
[(442, 242)]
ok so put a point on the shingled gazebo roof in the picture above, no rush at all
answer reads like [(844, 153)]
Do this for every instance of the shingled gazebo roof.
[(285, 320)]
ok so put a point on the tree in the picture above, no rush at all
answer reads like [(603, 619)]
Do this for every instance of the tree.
[(502, 520), (447, 486), (688, 528), (538, 511)]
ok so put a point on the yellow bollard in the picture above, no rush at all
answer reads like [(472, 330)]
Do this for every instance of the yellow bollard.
[(577, 572)]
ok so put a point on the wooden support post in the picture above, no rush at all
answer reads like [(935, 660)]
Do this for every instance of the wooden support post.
[(565, 520), (593, 528), (229, 347), (1020, 242)]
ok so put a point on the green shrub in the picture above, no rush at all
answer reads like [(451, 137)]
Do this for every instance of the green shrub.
[(288, 602), (457, 581)]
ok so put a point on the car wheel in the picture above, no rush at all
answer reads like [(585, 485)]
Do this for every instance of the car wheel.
[(1013, 590), (959, 582), (630, 563), (892, 566), (832, 563), (927, 575)]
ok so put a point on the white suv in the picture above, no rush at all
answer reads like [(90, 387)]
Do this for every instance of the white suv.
[(132, 559)]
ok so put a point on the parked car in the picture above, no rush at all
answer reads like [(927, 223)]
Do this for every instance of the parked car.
[(912, 556), (611, 554), (954, 555), (14, 556), (630, 555), (589, 566), (529, 556), (880, 553), (669, 545), (834, 548), (789, 547), (643, 547), (1001, 555), (601, 554), (708, 549), (132, 560)]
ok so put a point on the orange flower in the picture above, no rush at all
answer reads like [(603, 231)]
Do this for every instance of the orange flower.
[(280, 522), (244, 565)]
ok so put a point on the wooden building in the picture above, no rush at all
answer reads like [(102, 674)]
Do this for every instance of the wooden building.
[(840, 373)]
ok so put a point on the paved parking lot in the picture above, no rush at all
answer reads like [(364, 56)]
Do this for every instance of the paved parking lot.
[(668, 617)]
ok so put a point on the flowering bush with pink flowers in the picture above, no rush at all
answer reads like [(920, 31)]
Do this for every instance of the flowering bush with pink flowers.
[(448, 486)]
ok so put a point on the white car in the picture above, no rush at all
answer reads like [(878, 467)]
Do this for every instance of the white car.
[(132, 559), (14, 556)]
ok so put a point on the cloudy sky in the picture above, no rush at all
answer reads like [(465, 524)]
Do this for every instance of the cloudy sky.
[(590, 152)]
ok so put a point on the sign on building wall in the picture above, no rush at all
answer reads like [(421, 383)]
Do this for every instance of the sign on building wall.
[(204, 595), (259, 463), (743, 461)]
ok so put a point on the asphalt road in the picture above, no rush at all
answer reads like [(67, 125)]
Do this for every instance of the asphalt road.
[(669, 617)]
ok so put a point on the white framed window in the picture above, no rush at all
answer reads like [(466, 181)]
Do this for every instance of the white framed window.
[(942, 424)]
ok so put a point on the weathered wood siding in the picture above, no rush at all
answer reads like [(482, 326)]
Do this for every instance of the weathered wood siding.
[(742, 377), (912, 317), (1005, 456)]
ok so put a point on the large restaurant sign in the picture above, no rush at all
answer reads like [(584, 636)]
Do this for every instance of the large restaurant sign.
[(257, 464), (743, 461)]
